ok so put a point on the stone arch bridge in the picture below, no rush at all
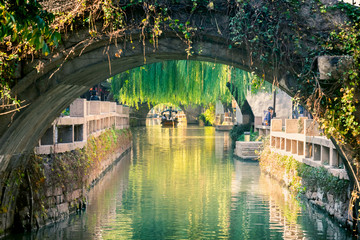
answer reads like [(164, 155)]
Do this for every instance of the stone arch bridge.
[(84, 60), (138, 115)]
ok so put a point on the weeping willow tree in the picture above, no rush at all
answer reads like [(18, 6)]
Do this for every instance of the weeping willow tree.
[(180, 82)]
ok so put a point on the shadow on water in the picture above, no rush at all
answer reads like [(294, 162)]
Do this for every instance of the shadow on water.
[(101, 207)]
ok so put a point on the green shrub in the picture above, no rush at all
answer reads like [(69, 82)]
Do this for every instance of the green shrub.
[(203, 118), (253, 136), (321, 178), (237, 131), (301, 177)]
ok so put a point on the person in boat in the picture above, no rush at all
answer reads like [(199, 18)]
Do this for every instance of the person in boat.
[(170, 116)]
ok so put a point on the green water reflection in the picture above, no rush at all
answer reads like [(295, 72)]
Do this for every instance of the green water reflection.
[(183, 192), (181, 183)]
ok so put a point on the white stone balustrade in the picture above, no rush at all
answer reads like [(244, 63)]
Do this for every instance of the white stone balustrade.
[(86, 118), (302, 139), (258, 127)]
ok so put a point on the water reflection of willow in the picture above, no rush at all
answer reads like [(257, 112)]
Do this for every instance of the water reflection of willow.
[(284, 208), (190, 191), (180, 190)]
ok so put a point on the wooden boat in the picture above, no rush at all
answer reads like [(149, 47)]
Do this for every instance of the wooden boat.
[(169, 122), (169, 118)]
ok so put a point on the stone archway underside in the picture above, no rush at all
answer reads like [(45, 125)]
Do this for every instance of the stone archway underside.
[(82, 61)]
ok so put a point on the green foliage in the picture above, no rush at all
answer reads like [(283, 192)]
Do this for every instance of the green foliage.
[(315, 178), (275, 38), (208, 117), (179, 82), (271, 32), (25, 23), (24, 30), (204, 120), (209, 114), (283, 168), (254, 136), (237, 131), (301, 177), (68, 171), (65, 112), (341, 103)]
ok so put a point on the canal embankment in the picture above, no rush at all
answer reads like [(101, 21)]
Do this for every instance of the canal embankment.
[(183, 183), (307, 163), (55, 184), (316, 184)]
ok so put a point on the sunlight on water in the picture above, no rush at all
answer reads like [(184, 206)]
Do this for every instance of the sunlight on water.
[(182, 183)]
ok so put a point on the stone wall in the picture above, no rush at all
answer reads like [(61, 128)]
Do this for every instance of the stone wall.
[(192, 113), (316, 184), (55, 186), (335, 206), (262, 100)]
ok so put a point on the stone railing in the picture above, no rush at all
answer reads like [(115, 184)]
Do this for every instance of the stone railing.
[(263, 130), (86, 118), (258, 127), (302, 139)]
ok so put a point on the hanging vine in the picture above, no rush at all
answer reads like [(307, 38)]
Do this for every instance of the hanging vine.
[(273, 33), (30, 29), (276, 37), (341, 115), (24, 31)]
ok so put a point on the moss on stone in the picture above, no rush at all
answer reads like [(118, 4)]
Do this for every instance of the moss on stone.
[(300, 177), (61, 180)]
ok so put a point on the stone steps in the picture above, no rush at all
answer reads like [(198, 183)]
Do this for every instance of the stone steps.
[(247, 150)]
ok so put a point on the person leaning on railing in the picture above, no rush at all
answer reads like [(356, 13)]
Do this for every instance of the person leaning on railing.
[(268, 116)]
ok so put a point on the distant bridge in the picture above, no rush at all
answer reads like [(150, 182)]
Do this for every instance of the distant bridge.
[(84, 60)]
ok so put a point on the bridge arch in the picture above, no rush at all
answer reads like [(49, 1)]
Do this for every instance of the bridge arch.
[(52, 90), (50, 84)]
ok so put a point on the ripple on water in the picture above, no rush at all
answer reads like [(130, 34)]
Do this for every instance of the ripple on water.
[(183, 184)]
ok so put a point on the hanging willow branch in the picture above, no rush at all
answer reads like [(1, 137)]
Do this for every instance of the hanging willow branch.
[(180, 82)]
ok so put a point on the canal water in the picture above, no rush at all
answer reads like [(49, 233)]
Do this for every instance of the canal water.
[(183, 183)]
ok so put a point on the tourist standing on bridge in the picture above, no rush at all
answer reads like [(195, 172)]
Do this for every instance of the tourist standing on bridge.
[(268, 116)]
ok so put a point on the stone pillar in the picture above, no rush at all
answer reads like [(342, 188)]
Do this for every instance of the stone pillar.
[(239, 116), (78, 108), (54, 134), (334, 158), (72, 134), (219, 108), (95, 108)]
